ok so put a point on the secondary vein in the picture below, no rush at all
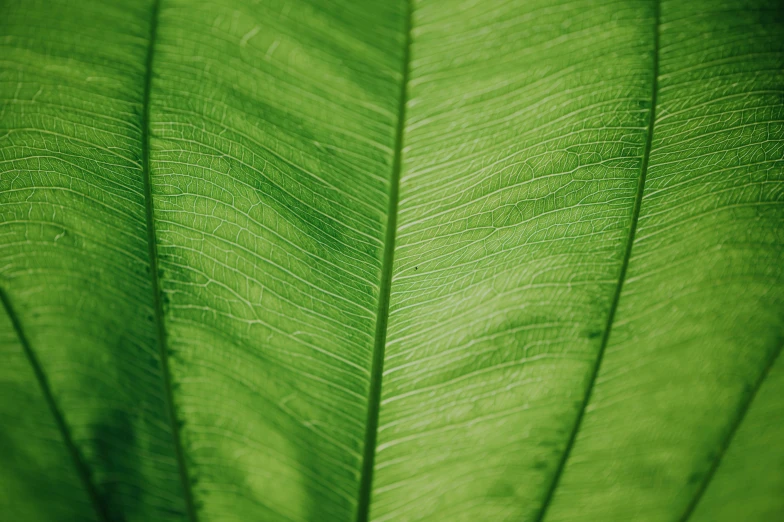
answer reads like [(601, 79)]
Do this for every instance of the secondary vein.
[(156, 288), (622, 274), (81, 467), (382, 315), (725, 444)]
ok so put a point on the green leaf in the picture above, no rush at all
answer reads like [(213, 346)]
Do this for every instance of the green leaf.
[(404, 260)]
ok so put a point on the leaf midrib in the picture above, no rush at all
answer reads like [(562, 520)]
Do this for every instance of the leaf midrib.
[(82, 470), (621, 275), (152, 244), (382, 315), (745, 405)]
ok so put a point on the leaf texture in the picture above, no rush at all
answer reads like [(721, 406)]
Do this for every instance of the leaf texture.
[(391, 261), (74, 252), (699, 319)]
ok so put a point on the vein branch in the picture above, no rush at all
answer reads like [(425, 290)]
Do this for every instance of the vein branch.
[(382, 315), (725, 444), (82, 469), (621, 276), (156, 287)]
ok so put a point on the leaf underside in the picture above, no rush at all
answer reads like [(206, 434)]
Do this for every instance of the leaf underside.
[(334, 261)]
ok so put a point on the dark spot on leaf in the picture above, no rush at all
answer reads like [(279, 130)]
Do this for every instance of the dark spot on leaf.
[(502, 489), (595, 334), (115, 469)]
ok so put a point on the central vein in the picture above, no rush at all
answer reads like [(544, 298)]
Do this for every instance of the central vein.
[(156, 286), (382, 315), (622, 273)]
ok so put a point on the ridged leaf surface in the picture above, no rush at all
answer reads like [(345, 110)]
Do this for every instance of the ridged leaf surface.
[(389, 261)]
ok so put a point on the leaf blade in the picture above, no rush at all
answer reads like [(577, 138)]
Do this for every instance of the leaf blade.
[(491, 341), (69, 487), (746, 483), (270, 136), (270, 216), (697, 323), (74, 244)]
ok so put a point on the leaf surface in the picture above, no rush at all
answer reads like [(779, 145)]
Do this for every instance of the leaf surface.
[(391, 261), (75, 257)]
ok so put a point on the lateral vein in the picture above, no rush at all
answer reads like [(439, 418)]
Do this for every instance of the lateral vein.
[(156, 288), (622, 273), (382, 315), (725, 444), (82, 469)]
